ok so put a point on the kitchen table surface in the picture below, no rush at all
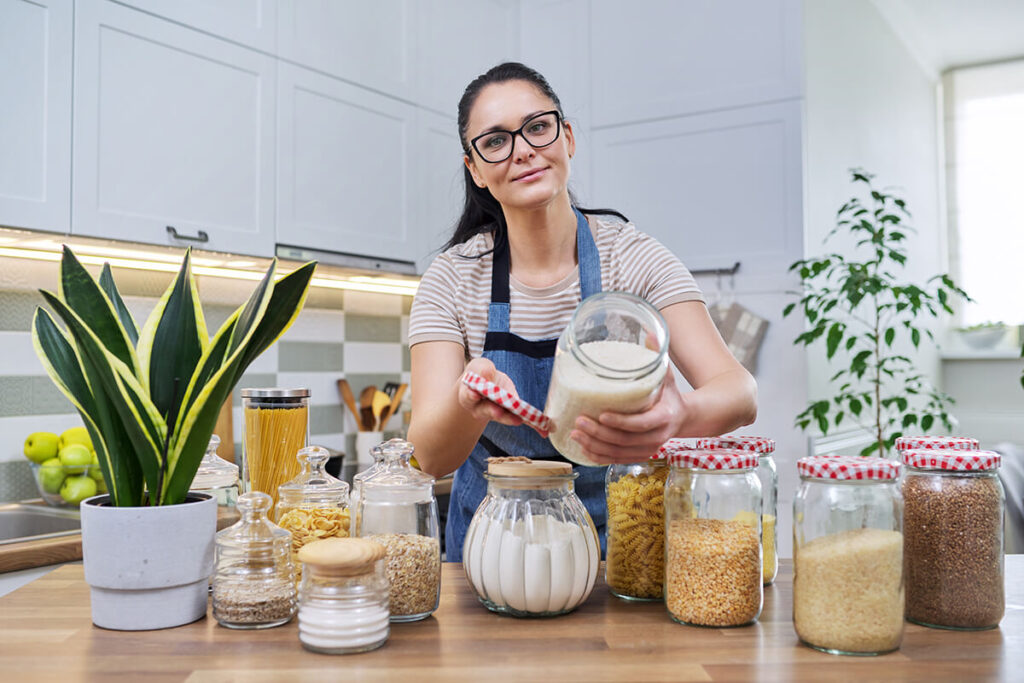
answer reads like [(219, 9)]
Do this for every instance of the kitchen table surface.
[(46, 635)]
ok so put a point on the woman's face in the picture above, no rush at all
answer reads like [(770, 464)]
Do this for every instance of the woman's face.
[(529, 178)]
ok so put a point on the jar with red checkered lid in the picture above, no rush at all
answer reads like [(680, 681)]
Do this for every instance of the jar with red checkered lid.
[(953, 527), (848, 592), (769, 476), (939, 443), (713, 574)]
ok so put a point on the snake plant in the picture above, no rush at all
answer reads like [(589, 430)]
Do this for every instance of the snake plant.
[(150, 398)]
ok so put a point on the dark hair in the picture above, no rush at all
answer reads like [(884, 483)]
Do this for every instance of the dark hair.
[(481, 212)]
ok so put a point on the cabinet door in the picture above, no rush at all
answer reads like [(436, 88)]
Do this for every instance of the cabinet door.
[(249, 22), (35, 116), (344, 168), (437, 186), (173, 130)]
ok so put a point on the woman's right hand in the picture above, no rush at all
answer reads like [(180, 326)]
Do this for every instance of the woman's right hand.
[(479, 407)]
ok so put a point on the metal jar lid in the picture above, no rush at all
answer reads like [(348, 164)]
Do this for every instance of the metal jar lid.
[(275, 392)]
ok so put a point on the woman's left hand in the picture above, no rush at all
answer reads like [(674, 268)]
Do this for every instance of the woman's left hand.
[(621, 437)]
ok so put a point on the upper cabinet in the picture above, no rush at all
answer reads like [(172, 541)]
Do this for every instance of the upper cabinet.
[(174, 134), (35, 116), (438, 170), (248, 22)]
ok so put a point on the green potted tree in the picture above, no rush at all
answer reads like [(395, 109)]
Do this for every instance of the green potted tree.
[(150, 401)]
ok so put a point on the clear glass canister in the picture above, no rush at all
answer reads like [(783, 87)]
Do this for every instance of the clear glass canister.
[(953, 504), (343, 601), (768, 474), (531, 549), (218, 477), (398, 510), (713, 538), (848, 555), (276, 427), (635, 561), (254, 578), (611, 357), (313, 505)]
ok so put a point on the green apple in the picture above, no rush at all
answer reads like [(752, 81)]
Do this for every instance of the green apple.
[(51, 475), (78, 488), (101, 486), (75, 457), (41, 446), (79, 435), (95, 472)]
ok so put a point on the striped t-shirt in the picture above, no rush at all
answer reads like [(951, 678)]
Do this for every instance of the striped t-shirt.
[(452, 301)]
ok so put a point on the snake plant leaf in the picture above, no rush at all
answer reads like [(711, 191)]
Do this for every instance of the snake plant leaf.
[(173, 340), (85, 296), (61, 362), (143, 424), (209, 364), (127, 321), (287, 299), (253, 309)]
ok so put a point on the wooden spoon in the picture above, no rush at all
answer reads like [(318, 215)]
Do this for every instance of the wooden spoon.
[(380, 402), (366, 408), (350, 399)]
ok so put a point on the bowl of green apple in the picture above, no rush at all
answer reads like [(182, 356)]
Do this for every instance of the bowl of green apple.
[(64, 466)]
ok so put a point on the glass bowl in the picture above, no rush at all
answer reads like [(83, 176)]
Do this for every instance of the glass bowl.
[(64, 486)]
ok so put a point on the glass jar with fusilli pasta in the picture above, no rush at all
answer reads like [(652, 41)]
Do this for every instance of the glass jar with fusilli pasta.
[(635, 560), (313, 505)]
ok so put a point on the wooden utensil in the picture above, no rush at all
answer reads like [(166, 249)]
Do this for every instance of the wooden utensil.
[(390, 388), (350, 400), (396, 401), (380, 402), (366, 408)]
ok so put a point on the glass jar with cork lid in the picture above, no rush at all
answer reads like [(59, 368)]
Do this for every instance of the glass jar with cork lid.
[(635, 560)]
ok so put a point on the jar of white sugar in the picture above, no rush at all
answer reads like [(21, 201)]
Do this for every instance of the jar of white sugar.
[(612, 356), (848, 594), (531, 549)]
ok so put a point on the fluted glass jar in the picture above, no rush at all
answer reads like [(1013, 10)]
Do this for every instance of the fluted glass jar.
[(343, 600), (612, 356), (848, 592), (398, 510), (713, 571), (635, 560), (768, 474), (254, 578), (953, 538)]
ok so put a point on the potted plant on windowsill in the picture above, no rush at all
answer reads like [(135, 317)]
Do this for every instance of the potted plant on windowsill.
[(150, 401)]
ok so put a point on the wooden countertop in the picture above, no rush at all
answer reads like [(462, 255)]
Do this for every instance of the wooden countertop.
[(46, 635)]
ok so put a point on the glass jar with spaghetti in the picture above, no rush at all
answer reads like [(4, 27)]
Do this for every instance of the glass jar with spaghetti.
[(276, 427), (313, 505), (713, 538), (635, 560), (769, 476)]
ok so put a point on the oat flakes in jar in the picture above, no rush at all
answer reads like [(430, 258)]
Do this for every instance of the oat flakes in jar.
[(848, 555), (713, 538), (612, 356), (953, 505), (635, 561)]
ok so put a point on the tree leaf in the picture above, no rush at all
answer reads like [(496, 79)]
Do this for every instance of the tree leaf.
[(890, 334), (835, 335)]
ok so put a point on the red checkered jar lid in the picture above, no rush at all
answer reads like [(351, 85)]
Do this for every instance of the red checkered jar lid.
[(942, 443), (955, 461), (721, 459), (672, 446), (735, 442), (847, 468)]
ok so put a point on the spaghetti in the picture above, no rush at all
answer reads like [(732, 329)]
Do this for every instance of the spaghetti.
[(275, 430)]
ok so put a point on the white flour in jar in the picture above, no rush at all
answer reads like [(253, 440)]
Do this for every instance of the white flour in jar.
[(576, 390)]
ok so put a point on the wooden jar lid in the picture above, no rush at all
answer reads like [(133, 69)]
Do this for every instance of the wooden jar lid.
[(341, 556), (529, 468)]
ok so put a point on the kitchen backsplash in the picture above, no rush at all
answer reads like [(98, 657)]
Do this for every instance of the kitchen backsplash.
[(360, 336)]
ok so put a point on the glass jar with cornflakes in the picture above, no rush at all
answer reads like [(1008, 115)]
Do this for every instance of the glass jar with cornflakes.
[(635, 560)]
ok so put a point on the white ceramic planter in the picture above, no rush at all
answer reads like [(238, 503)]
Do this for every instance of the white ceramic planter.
[(148, 567)]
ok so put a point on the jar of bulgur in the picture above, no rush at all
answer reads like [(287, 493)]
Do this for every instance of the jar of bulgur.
[(713, 538), (635, 559), (848, 555), (953, 545), (769, 477)]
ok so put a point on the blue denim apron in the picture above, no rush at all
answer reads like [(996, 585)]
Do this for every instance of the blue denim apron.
[(528, 364)]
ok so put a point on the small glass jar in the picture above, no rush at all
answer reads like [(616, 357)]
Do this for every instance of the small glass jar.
[(848, 555), (254, 578), (769, 477), (276, 426), (218, 477), (531, 549), (612, 356), (343, 601), (953, 505), (398, 510), (357, 479), (635, 559), (313, 505), (713, 538)]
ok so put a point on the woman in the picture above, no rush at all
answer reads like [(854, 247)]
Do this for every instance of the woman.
[(521, 259)]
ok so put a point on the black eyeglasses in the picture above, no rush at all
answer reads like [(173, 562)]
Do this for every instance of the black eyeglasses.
[(538, 131)]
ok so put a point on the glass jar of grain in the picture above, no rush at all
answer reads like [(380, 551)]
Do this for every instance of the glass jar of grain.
[(635, 560), (397, 509), (769, 477), (713, 538), (612, 356), (848, 555), (953, 528)]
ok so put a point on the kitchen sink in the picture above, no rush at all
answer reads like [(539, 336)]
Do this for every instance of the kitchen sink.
[(28, 522)]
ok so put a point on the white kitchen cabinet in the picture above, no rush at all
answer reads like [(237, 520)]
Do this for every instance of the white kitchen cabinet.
[(35, 116), (438, 189), (249, 22), (173, 134), (345, 168)]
